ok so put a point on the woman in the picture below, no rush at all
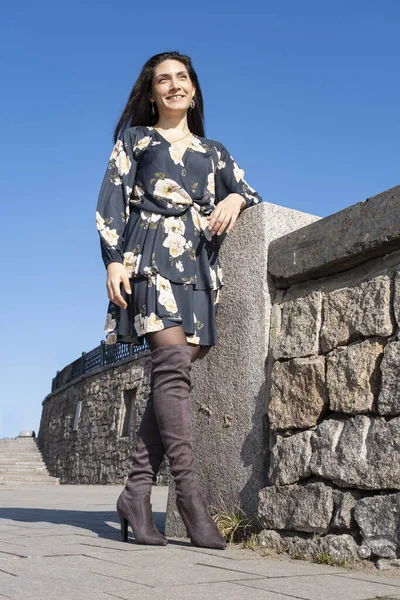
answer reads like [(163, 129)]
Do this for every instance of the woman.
[(167, 192)]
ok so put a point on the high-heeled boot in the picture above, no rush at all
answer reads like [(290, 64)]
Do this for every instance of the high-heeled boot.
[(171, 369), (133, 505)]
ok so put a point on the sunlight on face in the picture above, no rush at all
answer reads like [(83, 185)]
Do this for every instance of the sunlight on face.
[(172, 88)]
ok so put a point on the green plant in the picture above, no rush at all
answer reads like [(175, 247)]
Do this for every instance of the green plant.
[(297, 555), (250, 542), (232, 522), (327, 559)]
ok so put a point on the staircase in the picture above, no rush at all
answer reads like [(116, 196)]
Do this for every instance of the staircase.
[(22, 462)]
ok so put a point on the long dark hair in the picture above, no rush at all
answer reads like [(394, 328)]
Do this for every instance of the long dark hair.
[(138, 108)]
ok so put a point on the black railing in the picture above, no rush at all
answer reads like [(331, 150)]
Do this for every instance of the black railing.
[(101, 356)]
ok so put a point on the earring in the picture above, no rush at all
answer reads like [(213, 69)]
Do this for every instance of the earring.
[(153, 112), (192, 103)]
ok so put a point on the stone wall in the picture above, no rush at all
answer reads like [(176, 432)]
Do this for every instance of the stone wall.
[(296, 411), (334, 393), (96, 447)]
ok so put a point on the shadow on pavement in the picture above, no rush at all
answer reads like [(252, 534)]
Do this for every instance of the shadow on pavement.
[(103, 523)]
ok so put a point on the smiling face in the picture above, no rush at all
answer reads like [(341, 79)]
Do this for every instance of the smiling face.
[(172, 88)]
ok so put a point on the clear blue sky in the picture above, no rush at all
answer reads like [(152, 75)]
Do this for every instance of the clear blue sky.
[(305, 95)]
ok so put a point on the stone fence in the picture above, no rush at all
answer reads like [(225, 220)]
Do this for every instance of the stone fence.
[(334, 386), (296, 410)]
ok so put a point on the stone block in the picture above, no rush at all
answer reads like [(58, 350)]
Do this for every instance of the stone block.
[(396, 299), (353, 377), (339, 548), (379, 520), (296, 507), (290, 459), (358, 452), (300, 327), (343, 513), (274, 540), (343, 240), (389, 397), (298, 393), (356, 312)]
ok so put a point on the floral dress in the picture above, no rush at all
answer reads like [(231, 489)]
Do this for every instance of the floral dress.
[(152, 216)]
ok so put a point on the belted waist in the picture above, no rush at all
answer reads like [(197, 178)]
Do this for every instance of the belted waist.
[(174, 211)]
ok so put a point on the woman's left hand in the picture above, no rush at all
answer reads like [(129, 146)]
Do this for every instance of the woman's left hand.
[(225, 214)]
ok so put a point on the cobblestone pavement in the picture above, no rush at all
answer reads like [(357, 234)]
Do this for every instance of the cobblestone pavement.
[(62, 542)]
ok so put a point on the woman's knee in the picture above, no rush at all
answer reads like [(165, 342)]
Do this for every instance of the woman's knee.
[(166, 337)]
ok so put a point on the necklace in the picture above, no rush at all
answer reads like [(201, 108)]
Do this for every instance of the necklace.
[(182, 138)]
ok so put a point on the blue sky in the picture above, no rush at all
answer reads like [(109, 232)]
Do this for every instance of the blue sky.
[(303, 94)]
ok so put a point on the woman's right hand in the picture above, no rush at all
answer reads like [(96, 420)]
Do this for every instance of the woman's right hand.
[(117, 274)]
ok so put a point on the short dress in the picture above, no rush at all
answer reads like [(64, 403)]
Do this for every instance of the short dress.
[(152, 216)]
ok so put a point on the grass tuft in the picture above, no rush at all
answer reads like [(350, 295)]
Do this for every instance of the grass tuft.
[(234, 524), (326, 559)]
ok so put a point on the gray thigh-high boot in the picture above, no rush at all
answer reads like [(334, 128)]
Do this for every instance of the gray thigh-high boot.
[(171, 369), (133, 504)]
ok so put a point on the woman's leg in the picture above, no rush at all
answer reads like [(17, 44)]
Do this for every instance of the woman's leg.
[(169, 337), (147, 457), (172, 363)]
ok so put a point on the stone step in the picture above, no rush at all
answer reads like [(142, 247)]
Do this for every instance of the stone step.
[(18, 441), (23, 469), (19, 448), (21, 462), (17, 444), (26, 456), (26, 476), (6, 451), (21, 455), (29, 480), (33, 462)]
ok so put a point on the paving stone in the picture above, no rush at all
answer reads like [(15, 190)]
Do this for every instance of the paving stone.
[(160, 574), (253, 566), (99, 567), (377, 578), (324, 587), (216, 591)]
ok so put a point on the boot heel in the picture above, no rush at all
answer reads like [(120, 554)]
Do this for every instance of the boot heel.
[(124, 529)]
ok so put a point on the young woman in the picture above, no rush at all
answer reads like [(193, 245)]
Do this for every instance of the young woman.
[(167, 193)]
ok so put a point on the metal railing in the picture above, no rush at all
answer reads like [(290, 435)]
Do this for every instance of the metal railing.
[(101, 356)]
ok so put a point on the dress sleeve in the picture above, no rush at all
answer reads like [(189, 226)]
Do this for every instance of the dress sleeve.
[(112, 209), (229, 179)]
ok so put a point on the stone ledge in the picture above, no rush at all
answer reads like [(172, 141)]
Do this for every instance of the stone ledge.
[(343, 240)]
